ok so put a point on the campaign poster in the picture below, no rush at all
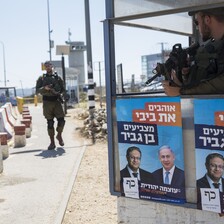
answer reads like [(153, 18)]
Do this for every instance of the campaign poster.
[(209, 149), (150, 148)]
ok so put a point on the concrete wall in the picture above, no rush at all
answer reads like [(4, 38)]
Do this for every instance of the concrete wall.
[(1, 160), (134, 211)]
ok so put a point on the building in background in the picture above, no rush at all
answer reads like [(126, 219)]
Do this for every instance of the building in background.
[(149, 62), (75, 72), (76, 60)]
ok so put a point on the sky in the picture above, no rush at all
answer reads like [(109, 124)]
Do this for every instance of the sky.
[(24, 36)]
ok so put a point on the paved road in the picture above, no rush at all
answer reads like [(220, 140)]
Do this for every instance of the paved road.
[(36, 183)]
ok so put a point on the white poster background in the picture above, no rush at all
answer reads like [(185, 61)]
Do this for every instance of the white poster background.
[(210, 200), (130, 186)]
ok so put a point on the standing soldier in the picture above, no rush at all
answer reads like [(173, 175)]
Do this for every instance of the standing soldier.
[(51, 86)]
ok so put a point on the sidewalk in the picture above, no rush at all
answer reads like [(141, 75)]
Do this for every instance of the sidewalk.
[(36, 183)]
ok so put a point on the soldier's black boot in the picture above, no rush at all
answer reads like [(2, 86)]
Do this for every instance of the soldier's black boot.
[(51, 135), (60, 140), (59, 129), (52, 144)]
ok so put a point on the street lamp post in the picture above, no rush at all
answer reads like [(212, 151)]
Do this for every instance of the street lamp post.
[(49, 29), (3, 51)]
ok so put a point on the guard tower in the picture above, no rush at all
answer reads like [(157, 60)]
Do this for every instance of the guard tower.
[(76, 59)]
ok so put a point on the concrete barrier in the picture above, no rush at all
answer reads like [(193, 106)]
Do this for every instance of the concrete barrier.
[(4, 125), (12, 110), (25, 113), (20, 104), (11, 120), (29, 117), (4, 145), (16, 111), (27, 123), (1, 160), (26, 109), (20, 135)]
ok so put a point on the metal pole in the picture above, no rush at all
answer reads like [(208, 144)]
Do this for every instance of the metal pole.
[(99, 65), (100, 85), (3, 51), (89, 58), (22, 87), (91, 94), (64, 79), (49, 28)]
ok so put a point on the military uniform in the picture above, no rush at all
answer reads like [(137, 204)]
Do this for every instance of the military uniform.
[(207, 73), (52, 103)]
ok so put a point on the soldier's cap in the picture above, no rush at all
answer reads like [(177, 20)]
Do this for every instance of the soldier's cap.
[(47, 63), (213, 11)]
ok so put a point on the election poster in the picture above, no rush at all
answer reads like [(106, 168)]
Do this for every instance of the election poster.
[(209, 149), (150, 148)]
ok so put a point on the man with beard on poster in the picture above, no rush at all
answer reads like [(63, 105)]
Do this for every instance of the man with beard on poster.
[(213, 178), (214, 164), (132, 169)]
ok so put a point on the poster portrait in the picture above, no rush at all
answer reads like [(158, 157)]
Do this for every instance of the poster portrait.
[(150, 125), (209, 149)]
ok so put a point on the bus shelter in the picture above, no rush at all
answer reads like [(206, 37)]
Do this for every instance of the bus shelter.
[(190, 125)]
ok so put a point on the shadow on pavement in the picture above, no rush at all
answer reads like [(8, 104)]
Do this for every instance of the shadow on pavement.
[(52, 153), (59, 151), (26, 151)]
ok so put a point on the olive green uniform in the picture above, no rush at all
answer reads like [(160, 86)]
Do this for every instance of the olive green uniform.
[(52, 105), (207, 73)]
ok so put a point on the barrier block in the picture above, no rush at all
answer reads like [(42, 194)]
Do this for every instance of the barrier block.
[(29, 117), (3, 138), (19, 104), (27, 123), (20, 129), (20, 135), (4, 145), (11, 120), (4, 124), (25, 113), (1, 161), (25, 109), (35, 100), (12, 111), (16, 111)]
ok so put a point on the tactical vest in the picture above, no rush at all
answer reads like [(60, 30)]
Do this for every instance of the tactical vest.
[(208, 63), (53, 80)]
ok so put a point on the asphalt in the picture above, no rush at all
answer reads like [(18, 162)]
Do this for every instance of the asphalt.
[(36, 183)]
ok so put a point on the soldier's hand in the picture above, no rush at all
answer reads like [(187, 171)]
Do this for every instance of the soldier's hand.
[(174, 78), (47, 87), (170, 90)]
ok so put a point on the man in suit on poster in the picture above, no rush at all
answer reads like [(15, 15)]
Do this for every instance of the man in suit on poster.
[(213, 178), (214, 164), (169, 174), (132, 169)]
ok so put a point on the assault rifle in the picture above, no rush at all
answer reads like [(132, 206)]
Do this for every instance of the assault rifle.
[(179, 58), (58, 94)]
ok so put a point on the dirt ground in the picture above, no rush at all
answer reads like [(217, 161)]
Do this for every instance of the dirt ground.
[(90, 200)]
